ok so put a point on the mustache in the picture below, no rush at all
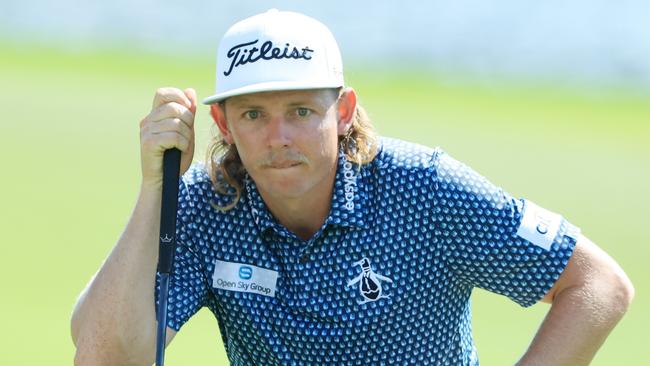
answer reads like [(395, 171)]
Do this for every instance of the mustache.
[(282, 157)]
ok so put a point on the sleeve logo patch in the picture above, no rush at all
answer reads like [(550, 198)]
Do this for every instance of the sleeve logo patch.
[(539, 226), (244, 278)]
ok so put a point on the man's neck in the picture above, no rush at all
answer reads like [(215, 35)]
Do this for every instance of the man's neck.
[(303, 216)]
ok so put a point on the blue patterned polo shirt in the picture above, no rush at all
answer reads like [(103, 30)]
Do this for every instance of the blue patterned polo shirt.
[(386, 280)]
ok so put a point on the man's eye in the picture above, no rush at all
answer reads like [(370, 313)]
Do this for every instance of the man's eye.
[(303, 112), (252, 114)]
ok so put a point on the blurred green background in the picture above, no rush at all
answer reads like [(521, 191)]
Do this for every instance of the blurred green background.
[(70, 143)]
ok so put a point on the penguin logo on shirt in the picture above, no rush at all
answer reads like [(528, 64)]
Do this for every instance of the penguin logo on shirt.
[(369, 282)]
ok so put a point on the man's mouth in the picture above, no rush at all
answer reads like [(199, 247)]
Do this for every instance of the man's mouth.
[(283, 164)]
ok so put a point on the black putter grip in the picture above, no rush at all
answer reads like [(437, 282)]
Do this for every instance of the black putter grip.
[(169, 204)]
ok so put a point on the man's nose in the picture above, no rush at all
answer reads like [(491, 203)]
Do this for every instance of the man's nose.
[(278, 132)]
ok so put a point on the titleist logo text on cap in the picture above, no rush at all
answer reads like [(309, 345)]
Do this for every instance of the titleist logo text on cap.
[(242, 54)]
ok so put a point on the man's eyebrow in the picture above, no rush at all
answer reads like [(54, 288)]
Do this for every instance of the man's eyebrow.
[(245, 104), (248, 103), (299, 103), (308, 102)]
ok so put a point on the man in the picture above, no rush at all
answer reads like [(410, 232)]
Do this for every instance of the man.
[(314, 242)]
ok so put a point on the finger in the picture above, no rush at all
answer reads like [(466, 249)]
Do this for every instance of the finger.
[(167, 140), (191, 95), (168, 94), (168, 125), (171, 110)]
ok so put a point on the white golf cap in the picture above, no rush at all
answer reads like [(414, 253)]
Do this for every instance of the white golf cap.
[(276, 50)]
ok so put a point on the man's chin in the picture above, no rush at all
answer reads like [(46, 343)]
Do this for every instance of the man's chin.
[(286, 182), (287, 191)]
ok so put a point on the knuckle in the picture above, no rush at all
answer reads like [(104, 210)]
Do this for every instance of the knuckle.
[(164, 94), (175, 108), (144, 121), (180, 110), (176, 124), (160, 92), (163, 90)]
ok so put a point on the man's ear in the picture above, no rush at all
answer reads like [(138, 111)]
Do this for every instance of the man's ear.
[(219, 117), (346, 109)]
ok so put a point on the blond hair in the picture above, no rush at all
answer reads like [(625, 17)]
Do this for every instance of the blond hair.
[(227, 172)]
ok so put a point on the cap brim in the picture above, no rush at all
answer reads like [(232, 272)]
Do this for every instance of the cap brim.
[(268, 86)]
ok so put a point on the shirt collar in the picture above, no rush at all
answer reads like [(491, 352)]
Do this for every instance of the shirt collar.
[(349, 196), (261, 215), (348, 199)]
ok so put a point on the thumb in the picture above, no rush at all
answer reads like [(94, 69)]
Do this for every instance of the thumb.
[(191, 95)]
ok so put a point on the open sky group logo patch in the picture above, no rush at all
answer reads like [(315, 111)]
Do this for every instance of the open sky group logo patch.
[(243, 277)]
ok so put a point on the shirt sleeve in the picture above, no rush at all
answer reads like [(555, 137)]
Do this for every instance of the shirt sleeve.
[(187, 284), (494, 241)]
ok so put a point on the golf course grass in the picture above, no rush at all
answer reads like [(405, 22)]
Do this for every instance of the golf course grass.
[(70, 140)]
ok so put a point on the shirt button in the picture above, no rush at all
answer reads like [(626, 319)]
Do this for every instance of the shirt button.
[(304, 258)]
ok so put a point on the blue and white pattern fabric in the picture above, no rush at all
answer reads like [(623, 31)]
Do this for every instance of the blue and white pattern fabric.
[(386, 280)]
